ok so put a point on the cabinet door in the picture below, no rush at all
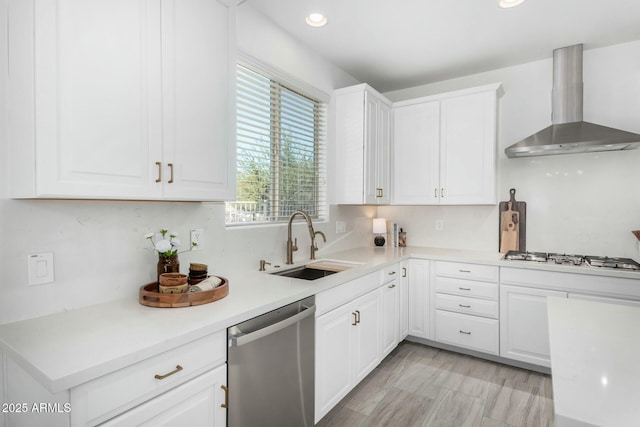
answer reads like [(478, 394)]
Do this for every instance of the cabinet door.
[(377, 149), (524, 329), (404, 300), (366, 336), (383, 155), (390, 319), (198, 86), (333, 358), (467, 149), (350, 136), (97, 99), (419, 299), (199, 402), (416, 151)]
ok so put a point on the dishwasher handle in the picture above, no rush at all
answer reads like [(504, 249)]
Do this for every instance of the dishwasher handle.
[(242, 339)]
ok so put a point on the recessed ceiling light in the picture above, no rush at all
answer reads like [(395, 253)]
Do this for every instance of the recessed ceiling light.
[(316, 20), (509, 3)]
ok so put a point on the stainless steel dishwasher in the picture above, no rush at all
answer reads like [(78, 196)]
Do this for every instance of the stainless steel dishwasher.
[(271, 368)]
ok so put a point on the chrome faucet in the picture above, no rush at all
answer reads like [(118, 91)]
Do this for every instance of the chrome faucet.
[(292, 245)]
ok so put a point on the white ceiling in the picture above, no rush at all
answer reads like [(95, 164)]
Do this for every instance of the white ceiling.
[(395, 44)]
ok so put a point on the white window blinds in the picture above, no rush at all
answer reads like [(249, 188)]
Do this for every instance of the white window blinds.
[(280, 152)]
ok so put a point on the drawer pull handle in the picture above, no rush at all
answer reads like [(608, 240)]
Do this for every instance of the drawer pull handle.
[(391, 273), (355, 319), (404, 272), (159, 164), (391, 286), (464, 289), (465, 332), (464, 271), (435, 193), (175, 371), (358, 316), (226, 396), (464, 306)]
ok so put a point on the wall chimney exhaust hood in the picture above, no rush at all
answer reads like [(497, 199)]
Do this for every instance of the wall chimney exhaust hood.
[(568, 133)]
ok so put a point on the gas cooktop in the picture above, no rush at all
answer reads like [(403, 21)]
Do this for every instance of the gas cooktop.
[(577, 260)]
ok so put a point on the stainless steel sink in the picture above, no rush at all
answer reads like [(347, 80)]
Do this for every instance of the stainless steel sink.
[(317, 270), (305, 273)]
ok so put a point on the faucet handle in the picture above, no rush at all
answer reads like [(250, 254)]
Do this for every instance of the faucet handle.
[(295, 244)]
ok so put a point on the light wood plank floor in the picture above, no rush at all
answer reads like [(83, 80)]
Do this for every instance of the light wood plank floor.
[(421, 386)]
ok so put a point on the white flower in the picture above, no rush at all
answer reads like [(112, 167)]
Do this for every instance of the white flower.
[(163, 246), (167, 243)]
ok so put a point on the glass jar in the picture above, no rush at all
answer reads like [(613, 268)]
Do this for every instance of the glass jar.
[(168, 264)]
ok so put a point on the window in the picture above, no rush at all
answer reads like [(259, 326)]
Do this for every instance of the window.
[(280, 151)]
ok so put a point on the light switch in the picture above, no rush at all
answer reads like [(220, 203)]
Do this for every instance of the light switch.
[(40, 268)]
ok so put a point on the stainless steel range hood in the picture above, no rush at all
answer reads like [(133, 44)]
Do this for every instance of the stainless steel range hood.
[(568, 133)]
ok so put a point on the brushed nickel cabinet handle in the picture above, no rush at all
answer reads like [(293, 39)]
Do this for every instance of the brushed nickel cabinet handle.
[(465, 332), (391, 286), (159, 164), (355, 319), (171, 173), (442, 192), (226, 396), (435, 193), (404, 272), (464, 289), (175, 371), (391, 273), (464, 306), (464, 271), (358, 316)]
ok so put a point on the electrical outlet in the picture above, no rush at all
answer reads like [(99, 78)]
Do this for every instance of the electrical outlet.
[(439, 224), (40, 268), (197, 239)]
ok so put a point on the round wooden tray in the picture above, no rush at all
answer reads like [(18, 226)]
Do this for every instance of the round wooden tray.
[(150, 296)]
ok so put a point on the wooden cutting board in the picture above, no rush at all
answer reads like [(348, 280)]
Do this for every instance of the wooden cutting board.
[(509, 236), (512, 224)]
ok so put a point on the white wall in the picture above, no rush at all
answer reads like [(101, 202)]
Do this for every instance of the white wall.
[(578, 203), (100, 254)]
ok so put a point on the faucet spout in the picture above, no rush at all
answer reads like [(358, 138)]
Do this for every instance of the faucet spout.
[(291, 247)]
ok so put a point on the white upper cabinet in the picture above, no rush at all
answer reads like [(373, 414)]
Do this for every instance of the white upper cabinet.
[(444, 148), (363, 136), (122, 99)]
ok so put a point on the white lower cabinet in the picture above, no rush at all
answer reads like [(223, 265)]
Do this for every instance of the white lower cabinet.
[(419, 298), (524, 327), (347, 349), (403, 284), (466, 306), (199, 402), (390, 310), (182, 386), (472, 332)]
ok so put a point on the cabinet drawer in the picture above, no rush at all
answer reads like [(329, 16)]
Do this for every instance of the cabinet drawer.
[(111, 394), (476, 333), (467, 288), (390, 273), (479, 307), (485, 273)]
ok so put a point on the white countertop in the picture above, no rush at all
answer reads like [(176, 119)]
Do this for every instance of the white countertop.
[(66, 349), (594, 363)]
